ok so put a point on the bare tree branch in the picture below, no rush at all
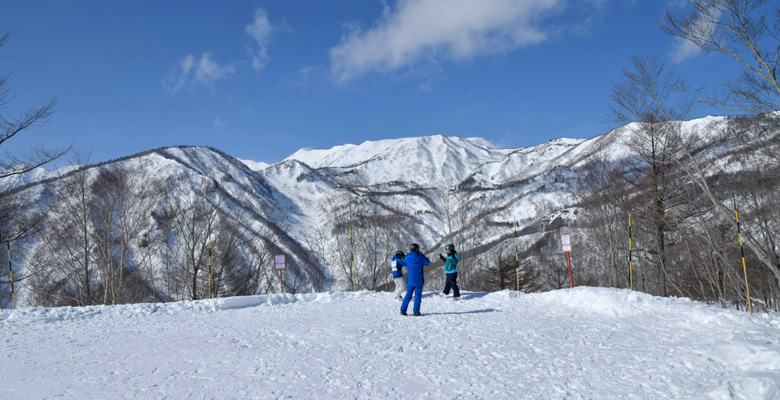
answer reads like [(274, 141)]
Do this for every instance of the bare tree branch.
[(748, 31)]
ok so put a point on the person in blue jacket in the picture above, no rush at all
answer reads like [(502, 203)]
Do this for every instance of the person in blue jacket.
[(414, 262), (451, 271), (398, 274)]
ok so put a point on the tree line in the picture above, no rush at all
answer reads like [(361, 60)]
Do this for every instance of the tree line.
[(109, 238), (684, 185)]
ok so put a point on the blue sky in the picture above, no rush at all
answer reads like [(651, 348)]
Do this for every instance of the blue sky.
[(261, 79)]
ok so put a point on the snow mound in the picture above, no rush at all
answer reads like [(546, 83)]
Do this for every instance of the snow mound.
[(612, 302)]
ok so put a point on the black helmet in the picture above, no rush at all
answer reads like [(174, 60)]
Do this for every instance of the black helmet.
[(414, 247), (400, 254), (450, 247)]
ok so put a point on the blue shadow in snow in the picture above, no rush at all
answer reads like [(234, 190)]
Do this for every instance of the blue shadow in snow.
[(487, 310), (463, 296)]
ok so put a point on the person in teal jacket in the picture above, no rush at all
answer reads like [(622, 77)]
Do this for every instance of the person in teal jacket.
[(451, 271)]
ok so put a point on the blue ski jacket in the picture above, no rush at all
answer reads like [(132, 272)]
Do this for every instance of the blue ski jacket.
[(414, 263), (450, 266), (396, 266)]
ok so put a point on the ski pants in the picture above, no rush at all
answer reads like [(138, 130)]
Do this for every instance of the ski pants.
[(399, 287), (452, 282), (417, 291)]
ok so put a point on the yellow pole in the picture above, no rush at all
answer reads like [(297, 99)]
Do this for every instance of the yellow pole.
[(352, 258), (209, 268), (517, 258), (744, 266), (11, 272), (630, 247)]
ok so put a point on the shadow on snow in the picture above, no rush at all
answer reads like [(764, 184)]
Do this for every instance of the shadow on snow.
[(487, 310)]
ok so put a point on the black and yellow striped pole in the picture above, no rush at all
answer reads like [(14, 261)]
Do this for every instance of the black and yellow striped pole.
[(209, 268), (517, 258), (11, 272), (630, 247), (352, 258), (742, 251)]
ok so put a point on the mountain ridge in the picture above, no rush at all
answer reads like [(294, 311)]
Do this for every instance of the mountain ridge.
[(439, 189)]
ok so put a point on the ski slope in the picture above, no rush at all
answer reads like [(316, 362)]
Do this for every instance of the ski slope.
[(583, 343)]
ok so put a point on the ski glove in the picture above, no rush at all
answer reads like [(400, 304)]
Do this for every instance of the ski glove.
[(442, 257)]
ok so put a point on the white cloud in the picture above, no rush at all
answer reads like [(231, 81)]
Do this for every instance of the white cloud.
[(260, 30), (176, 79), (677, 3), (454, 29), (190, 74), (208, 71), (598, 3), (702, 30), (187, 63), (306, 78), (220, 123), (683, 49)]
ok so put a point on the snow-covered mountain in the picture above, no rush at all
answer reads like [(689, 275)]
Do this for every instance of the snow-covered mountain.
[(425, 160), (526, 184), (422, 179)]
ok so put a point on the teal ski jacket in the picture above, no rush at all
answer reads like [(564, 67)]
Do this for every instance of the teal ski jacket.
[(451, 264)]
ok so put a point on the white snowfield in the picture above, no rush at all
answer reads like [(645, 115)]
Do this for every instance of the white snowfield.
[(583, 343)]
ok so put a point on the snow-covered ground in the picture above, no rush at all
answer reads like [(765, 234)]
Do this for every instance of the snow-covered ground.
[(583, 343)]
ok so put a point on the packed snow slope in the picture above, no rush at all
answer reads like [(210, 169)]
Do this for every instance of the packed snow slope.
[(583, 343)]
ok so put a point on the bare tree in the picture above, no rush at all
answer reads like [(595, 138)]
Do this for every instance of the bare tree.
[(649, 96), (377, 244), (317, 241), (91, 246), (341, 209), (501, 272), (446, 201), (121, 213), (605, 217), (68, 236), (458, 222), (470, 230), (242, 256), (164, 217), (550, 261), (194, 221), (748, 31), (259, 271), (12, 125), (13, 225)]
